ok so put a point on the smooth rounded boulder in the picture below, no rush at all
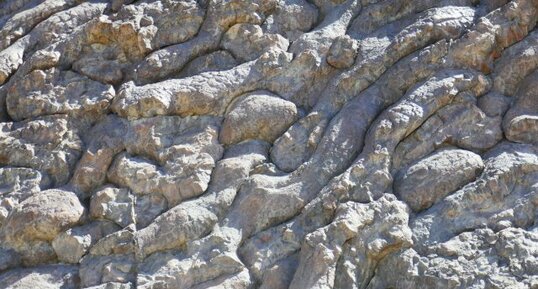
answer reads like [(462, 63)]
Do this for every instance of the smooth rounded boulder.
[(258, 115), (43, 216), (434, 177)]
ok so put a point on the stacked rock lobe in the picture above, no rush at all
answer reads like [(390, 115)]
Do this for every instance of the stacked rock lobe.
[(329, 144)]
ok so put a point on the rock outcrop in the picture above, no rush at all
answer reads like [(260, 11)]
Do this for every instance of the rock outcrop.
[(196, 144)]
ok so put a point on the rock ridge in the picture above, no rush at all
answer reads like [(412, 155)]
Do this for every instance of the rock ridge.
[(329, 144)]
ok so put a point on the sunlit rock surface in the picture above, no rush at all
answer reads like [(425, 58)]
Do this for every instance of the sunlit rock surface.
[(196, 144)]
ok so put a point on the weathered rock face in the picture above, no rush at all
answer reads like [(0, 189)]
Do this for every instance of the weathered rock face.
[(268, 144), (432, 178)]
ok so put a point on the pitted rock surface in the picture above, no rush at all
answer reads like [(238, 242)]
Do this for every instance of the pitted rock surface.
[(330, 144)]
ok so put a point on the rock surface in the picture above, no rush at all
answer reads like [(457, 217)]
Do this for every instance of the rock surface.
[(430, 179), (268, 144), (258, 115)]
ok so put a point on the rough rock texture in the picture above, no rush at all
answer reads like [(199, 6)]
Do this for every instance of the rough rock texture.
[(432, 178), (258, 115), (196, 144)]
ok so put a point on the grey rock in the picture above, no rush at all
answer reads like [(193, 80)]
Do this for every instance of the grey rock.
[(257, 115), (110, 260), (192, 219), (74, 243), (6, 207), (147, 208), (103, 141), (520, 121), (215, 61), (492, 34), (221, 15), (518, 61), (36, 221), (173, 269), (58, 26), (49, 145), (46, 277), (268, 144), (308, 73), (340, 244), (9, 258), (281, 274), (20, 183), (43, 216), (432, 178), (479, 258), (494, 104), (494, 199), (302, 139), (175, 157), (460, 124), (114, 204), (363, 181), (95, 270), (47, 92), (21, 23), (523, 128), (120, 242), (291, 18), (237, 280), (176, 96), (247, 42), (179, 22), (112, 285), (343, 52)]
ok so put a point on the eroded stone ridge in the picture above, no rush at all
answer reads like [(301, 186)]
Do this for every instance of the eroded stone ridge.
[(197, 144)]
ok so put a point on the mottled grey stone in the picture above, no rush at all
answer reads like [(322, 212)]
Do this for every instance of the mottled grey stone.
[(268, 144)]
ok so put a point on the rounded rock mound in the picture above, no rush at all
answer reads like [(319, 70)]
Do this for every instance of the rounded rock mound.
[(432, 178), (43, 216), (257, 115)]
